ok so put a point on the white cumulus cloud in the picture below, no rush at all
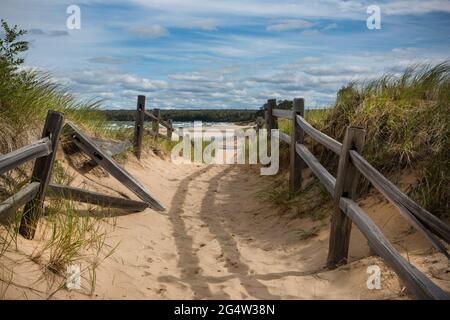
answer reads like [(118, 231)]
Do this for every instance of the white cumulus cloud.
[(290, 25), (153, 31)]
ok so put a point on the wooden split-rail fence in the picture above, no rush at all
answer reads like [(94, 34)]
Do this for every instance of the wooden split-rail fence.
[(157, 121), (343, 189), (32, 196)]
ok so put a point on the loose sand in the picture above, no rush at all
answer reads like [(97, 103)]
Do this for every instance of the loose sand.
[(217, 240)]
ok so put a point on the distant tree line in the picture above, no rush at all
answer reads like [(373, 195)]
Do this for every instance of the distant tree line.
[(206, 115), (209, 115)]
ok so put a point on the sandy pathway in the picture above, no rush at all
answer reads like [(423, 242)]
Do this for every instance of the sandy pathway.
[(217, 241)]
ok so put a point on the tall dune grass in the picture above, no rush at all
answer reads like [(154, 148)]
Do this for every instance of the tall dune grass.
[(25, 98), (407, 119)]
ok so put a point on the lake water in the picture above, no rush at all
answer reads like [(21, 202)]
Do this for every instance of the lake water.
[(176, 124)]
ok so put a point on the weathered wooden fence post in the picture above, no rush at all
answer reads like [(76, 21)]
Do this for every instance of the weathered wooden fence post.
[(271, 120), (155, 122), (42, 172), (139, 126), (346, 186), (169, 130), (266, 119), (259, 123), (297, 136)]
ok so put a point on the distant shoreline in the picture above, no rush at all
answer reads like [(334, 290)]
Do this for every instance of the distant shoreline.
[(190, 115), (176, 124)]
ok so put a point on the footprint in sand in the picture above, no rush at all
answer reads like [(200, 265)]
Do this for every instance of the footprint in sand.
[(169, 256), (192, 270), (161, 290)]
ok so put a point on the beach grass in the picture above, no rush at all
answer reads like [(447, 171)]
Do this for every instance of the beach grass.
[(407, 122)]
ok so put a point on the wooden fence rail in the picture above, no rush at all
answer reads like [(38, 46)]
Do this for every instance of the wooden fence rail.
[(86, 144), (40, 148), (92, 197), (318, 136), (284, 114), (417, 282), (343, 189), (9, 207), (399, 199)]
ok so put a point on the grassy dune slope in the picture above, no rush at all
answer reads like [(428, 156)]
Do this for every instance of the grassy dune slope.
[(25, 98), (407, 119)]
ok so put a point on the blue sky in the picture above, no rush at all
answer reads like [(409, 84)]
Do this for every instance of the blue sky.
[(226, 53)]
